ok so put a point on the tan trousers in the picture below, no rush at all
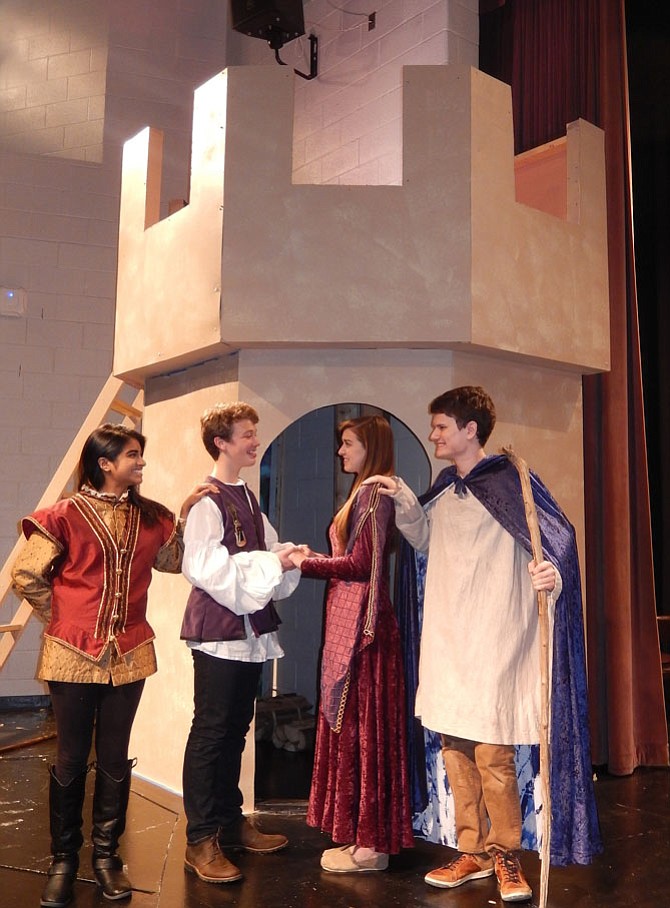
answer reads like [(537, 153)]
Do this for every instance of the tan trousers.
[(483, 781)]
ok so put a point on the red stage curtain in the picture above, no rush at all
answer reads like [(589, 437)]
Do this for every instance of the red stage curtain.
[(566, 59)]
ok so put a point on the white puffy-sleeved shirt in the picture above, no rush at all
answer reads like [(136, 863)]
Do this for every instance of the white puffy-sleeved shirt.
[(479, 675), (243, 582)]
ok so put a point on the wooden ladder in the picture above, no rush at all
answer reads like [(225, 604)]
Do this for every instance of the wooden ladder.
[(108, 402)]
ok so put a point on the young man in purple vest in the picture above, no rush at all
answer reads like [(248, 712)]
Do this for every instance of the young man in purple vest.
[(236, 565)]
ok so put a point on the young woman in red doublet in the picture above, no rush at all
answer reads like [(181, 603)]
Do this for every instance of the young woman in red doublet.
[(360, 792), (86, 569)]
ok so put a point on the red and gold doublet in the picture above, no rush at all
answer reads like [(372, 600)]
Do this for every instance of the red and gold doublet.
[(99, 585)]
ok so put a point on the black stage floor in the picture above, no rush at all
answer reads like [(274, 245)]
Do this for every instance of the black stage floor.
[(633, 871)]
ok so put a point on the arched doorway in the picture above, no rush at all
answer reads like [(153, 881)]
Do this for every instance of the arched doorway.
[(301, 487)]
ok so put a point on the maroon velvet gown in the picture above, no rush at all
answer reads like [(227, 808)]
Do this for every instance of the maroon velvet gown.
[(360, 790)]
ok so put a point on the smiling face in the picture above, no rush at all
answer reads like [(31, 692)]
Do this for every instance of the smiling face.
[(241, 449), (124, 471), (352, 451), (451, 443)]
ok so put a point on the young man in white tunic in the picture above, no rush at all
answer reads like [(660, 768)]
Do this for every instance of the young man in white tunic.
[(479, 685), (236, 565)]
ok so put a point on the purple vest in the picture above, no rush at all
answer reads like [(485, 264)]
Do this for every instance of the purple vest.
[(206, 620)]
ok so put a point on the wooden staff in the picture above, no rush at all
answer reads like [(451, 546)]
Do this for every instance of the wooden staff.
[(543, 612)]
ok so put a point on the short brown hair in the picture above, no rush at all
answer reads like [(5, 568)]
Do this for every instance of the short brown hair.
[(469, 403), (218, 422)]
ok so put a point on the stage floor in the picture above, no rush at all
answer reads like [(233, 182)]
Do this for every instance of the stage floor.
[(634, 869)]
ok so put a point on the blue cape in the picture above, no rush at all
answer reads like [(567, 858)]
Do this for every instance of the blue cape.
[(575, 835)]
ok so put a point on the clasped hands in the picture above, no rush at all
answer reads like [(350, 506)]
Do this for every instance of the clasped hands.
[(292, 556)]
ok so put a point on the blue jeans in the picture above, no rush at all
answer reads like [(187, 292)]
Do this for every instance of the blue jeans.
[(224, 699)]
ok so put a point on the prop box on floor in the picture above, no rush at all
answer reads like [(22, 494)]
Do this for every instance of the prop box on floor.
[(286, 720)]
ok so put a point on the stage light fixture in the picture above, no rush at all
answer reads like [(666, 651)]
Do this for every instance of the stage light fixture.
[(277, 22)]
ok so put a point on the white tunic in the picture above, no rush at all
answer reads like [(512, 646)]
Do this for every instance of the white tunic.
[(479, 663), (243, 582)]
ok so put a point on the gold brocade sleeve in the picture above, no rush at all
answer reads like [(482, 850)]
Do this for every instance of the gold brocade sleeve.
[(169, 556), (32, 572)]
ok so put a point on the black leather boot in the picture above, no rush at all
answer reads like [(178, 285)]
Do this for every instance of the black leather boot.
[(65, 819), (110, 803)]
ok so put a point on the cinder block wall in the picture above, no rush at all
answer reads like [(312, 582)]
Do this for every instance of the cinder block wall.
[(128, 64), (52, 95), (348, 120)]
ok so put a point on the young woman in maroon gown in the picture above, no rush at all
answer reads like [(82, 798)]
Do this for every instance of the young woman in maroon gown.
[(360, 793)]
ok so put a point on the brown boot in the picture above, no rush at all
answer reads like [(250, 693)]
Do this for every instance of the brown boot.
[(243, 834), (205, 859)]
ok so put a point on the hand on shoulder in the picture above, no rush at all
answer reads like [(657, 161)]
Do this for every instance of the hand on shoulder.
[(197, 492), (390, 485)]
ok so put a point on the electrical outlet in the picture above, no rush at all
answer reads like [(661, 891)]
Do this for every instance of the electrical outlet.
[(13, 302)]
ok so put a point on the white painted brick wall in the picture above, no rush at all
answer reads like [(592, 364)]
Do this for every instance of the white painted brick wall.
[(51, 68), (68, 100), (348, 121)]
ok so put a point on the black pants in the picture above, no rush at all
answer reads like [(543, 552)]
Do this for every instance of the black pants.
[(79, 709), (224, 698)]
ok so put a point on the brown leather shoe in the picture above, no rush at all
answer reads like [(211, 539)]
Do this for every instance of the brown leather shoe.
[(205, 859), (462, 869), (243, 834), (513, 884)]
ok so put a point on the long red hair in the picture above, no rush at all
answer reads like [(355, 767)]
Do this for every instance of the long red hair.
[(374, 433)]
